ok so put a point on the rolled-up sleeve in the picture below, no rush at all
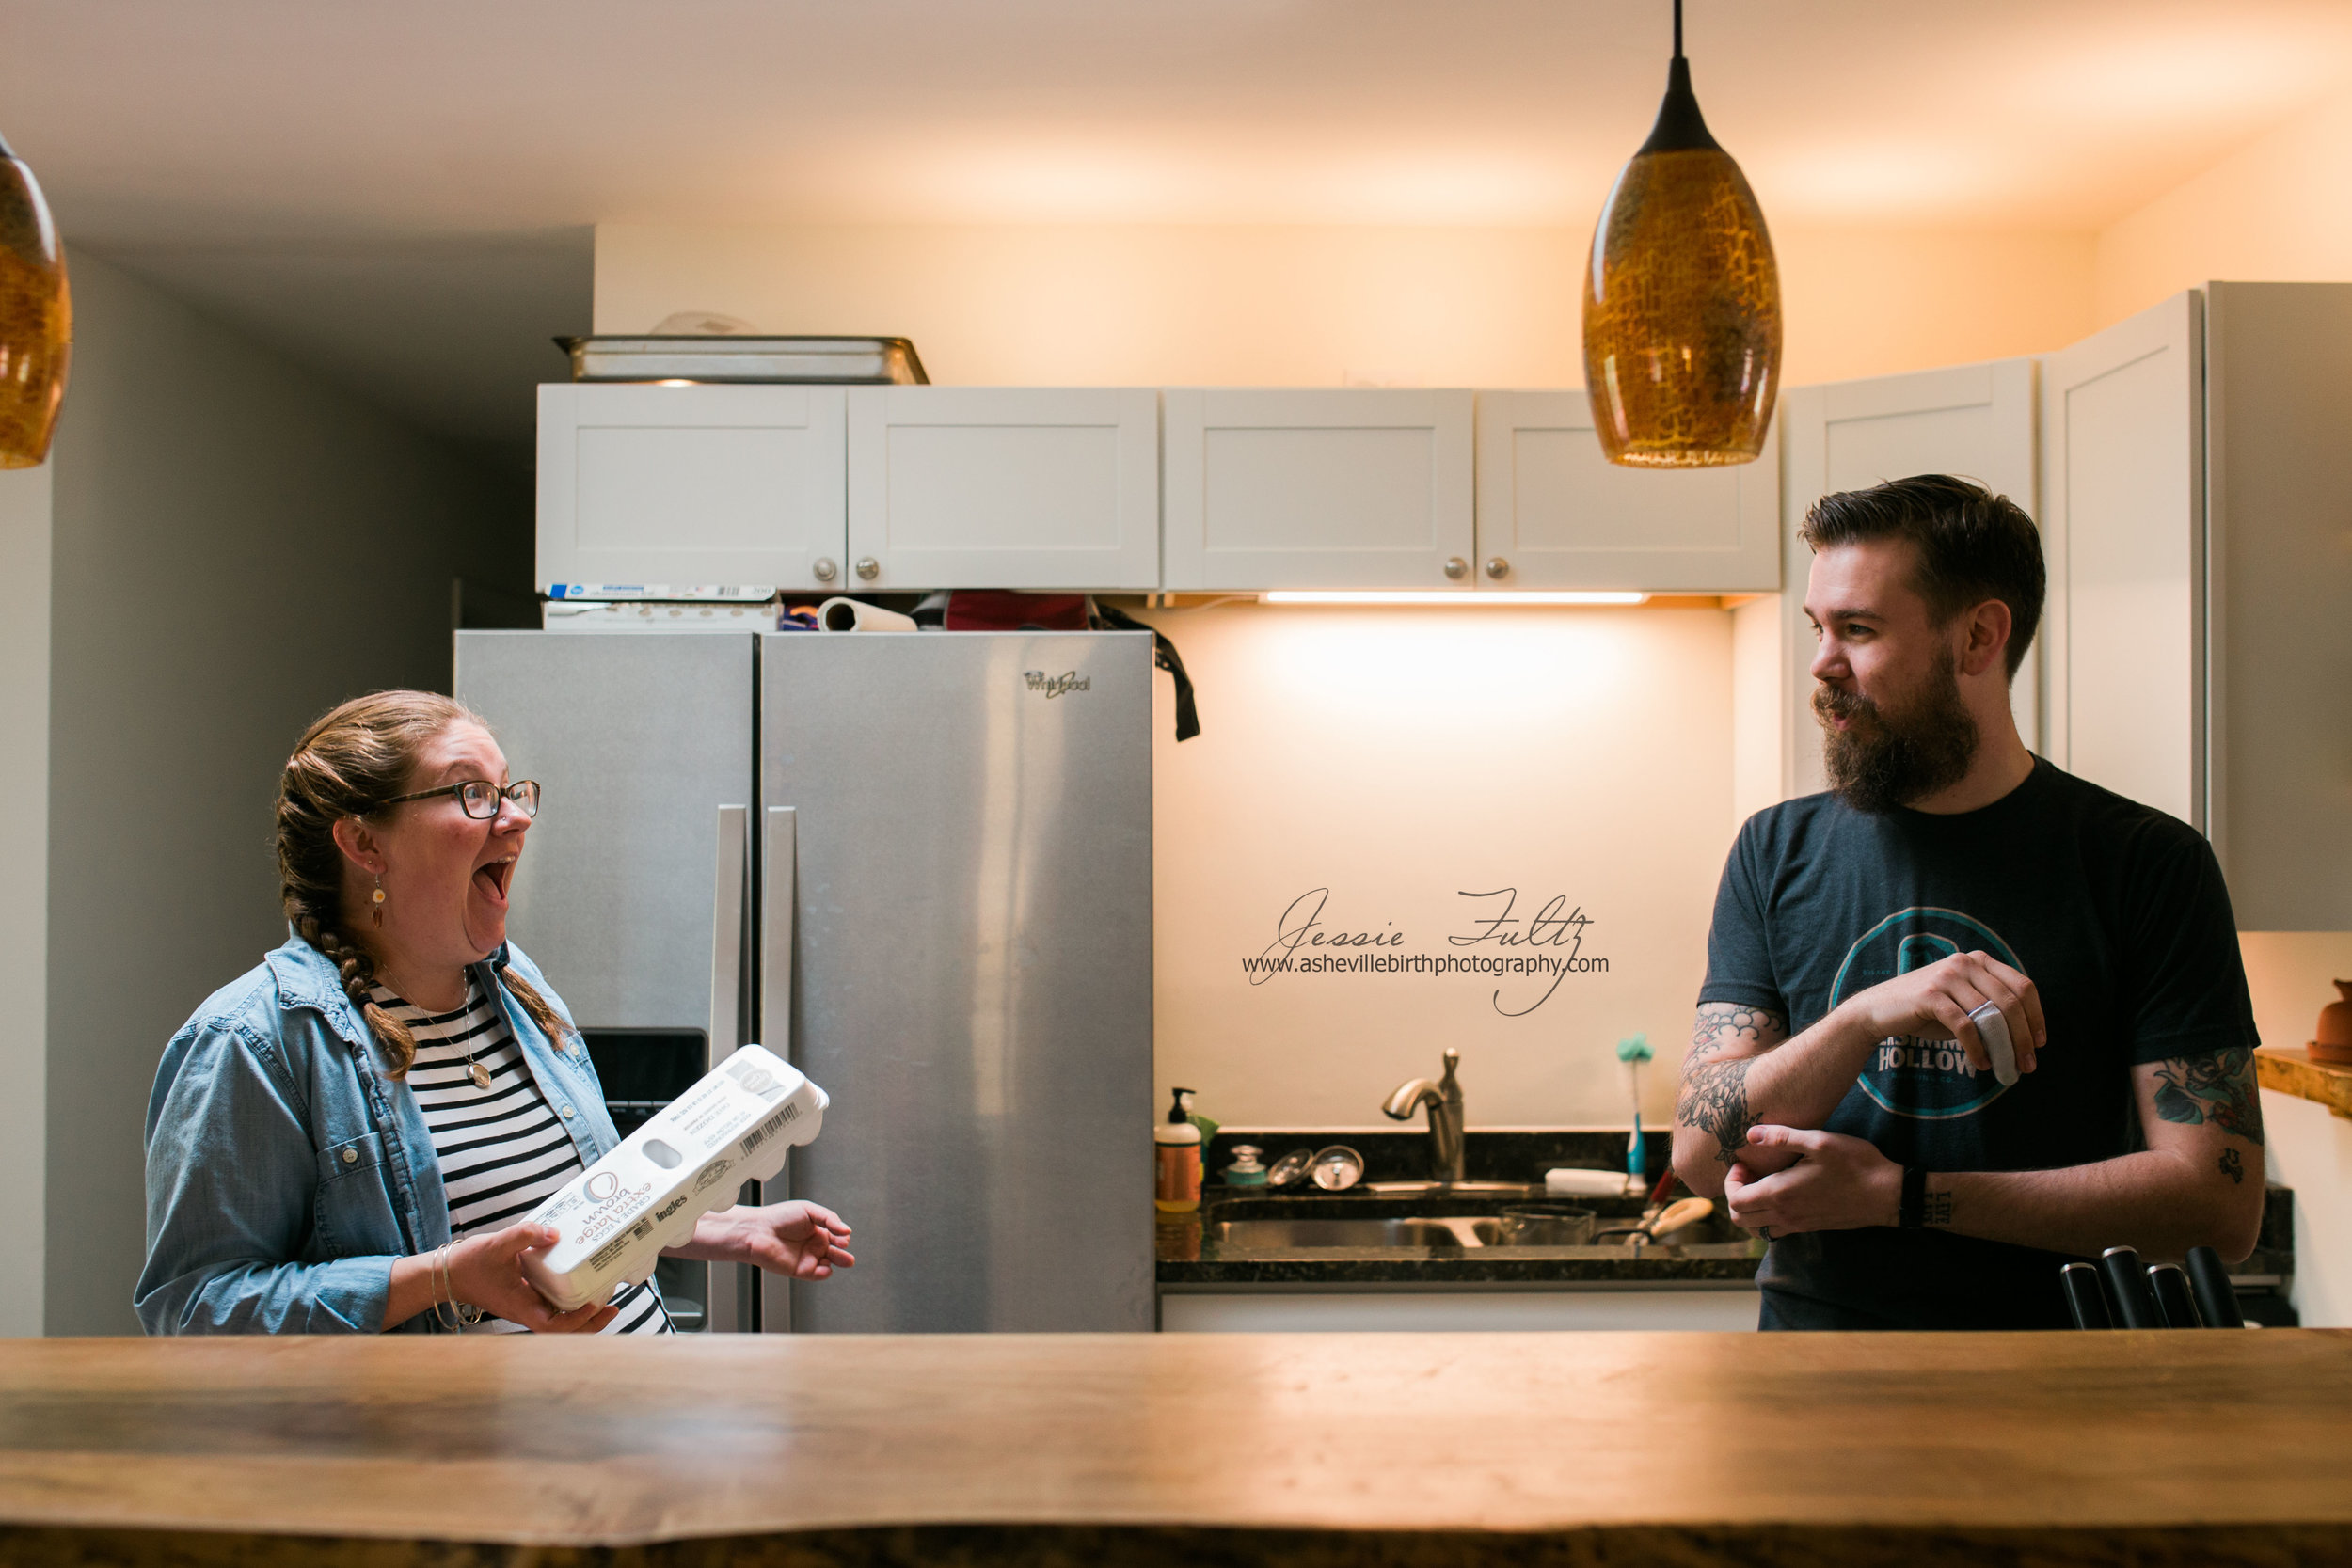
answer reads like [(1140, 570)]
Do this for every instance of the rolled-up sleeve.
[(232, 1175)]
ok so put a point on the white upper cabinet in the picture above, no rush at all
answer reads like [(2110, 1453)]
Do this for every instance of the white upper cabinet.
[(2278, 596), (691, 484), (1004, 487), (2123, 528), (1975, 422), (2199, 494), (1554, 513), (1341, 488)]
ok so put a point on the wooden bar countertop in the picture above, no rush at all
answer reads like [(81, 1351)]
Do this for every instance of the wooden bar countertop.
[(1306, 1450)]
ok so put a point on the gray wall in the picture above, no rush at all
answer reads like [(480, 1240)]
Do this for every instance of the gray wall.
[(237, 546), (23, 890)]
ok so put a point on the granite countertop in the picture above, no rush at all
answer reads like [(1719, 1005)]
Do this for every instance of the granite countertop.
[(1274, 1451)]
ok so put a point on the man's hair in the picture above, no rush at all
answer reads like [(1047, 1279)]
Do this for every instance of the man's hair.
[(1972, 546)]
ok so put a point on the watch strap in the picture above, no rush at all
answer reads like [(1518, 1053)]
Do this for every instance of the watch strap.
[(1912, 1214)]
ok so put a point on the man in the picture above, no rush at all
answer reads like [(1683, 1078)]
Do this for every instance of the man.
[(1836, 1093)]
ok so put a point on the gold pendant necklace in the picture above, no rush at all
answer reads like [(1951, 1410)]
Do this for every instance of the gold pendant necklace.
[(475, 1070)]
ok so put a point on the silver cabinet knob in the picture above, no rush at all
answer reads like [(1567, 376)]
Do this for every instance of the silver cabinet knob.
[(868, 568), (823, 570), (1498, 568), (1456, 568)]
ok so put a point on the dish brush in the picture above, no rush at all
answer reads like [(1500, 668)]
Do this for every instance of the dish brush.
[(1633, 1051)]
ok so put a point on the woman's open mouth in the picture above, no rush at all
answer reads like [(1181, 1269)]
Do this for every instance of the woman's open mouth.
[(492, 878)]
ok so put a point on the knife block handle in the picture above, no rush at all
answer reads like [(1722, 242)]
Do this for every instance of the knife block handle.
[(2217, 1300)]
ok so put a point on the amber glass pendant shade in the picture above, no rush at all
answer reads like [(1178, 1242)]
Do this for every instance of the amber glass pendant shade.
[(1681, 301), (36, 318)]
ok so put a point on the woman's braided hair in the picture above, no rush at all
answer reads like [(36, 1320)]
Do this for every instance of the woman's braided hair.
[(347, 765)]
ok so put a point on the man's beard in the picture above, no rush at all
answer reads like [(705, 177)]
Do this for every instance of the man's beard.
[(1883, 760)]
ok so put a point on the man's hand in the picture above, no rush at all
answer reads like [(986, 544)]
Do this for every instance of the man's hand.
[(805, 1240), (1934, 1002), (1834, 1184)]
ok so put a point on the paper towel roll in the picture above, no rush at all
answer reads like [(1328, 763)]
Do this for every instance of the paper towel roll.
[(855, 615), (1570, 1182)]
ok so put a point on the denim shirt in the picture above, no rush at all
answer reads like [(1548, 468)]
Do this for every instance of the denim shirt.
[(285, 1172)]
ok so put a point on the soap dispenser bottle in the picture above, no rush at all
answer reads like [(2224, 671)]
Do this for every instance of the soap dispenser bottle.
[(1176, 1159)]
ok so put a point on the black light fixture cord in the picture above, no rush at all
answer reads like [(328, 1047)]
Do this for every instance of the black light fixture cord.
[(1677, 29)]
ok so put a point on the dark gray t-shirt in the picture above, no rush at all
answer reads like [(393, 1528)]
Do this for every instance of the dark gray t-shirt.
[(2117, 913)]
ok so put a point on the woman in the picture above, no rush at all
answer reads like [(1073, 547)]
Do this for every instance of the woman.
[(345, 1139)]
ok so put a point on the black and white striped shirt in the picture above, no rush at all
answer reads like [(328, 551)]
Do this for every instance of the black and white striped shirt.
[(502, 1150)]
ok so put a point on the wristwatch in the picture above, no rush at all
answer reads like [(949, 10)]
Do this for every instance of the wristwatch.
[(1913, 1213)]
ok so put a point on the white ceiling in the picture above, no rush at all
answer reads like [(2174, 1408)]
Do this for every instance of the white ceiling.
[(400, 191)]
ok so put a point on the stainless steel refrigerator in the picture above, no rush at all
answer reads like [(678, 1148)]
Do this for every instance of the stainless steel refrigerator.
[(920, 865)]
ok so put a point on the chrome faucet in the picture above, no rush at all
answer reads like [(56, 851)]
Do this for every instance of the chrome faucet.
[(1445, 1100)]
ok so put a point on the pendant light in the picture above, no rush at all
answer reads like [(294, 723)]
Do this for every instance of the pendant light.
[(36, 317), (1682, 300)]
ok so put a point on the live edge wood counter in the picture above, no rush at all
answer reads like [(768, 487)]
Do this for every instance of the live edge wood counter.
[(1301, 1450)]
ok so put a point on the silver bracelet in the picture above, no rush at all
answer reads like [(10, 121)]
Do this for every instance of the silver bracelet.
[(444, 1315), (442, 1277)]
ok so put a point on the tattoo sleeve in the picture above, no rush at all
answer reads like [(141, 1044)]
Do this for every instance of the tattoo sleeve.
[(2218, 1088), (1724, 1024), (1715, 1100)]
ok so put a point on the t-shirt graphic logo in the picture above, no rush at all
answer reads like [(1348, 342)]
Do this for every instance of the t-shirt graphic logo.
[(1928, 1080)]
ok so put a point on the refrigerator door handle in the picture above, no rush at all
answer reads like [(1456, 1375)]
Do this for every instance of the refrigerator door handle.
[(726, 934), (727, 1311), (779, 896)]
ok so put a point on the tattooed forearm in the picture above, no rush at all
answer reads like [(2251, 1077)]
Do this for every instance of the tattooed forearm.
[(1715, 1102), (1722, 1025), (2234, 1167), (2216, 1087)]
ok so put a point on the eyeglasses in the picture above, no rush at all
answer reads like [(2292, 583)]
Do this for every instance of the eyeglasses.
[(481, 798)]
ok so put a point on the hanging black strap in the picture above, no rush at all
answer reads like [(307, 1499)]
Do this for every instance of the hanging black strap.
[(1163, 653)]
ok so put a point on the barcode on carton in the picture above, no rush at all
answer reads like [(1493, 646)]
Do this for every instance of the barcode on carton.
[(770, 1128)]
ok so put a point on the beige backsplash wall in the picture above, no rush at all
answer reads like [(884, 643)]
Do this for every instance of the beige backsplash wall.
[(1400, 759)]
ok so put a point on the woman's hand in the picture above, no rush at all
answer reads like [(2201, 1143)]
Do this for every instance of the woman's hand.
[(802, 1239), (487, 1272)]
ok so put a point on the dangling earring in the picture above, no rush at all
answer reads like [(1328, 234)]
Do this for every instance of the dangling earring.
[(376, 915)]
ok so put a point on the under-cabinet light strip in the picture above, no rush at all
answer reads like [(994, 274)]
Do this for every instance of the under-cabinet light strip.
[(1459, 597)]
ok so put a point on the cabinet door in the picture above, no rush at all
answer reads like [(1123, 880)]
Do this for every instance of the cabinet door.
[(1976, 421), (1004, 487), (1345, 488), (2279, 490), (1554, 513), (2124, 522), (692, 484)]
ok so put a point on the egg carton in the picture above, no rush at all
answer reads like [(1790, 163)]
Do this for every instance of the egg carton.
[(614, 1219)]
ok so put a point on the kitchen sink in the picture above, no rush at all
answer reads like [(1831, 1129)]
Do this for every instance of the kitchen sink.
[(1370, 1223), (1288, 1235)]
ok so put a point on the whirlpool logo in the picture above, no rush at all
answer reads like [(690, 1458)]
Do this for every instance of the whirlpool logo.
[(1056, 685)]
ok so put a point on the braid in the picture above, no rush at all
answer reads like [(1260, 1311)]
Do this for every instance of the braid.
[(357, 966), (347, 765), (550, 1022)]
